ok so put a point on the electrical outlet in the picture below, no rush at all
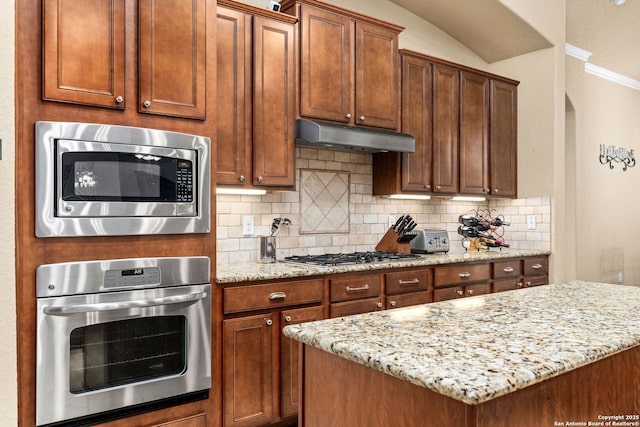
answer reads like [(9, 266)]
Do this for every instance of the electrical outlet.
[(392, 220), (531, 222), (248, 226)]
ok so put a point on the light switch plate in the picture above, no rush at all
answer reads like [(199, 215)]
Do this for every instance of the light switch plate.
[(392, 220), (531, 222), (248, 225)]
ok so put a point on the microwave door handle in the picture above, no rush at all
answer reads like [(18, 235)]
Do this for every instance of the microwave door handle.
[(66, 310)]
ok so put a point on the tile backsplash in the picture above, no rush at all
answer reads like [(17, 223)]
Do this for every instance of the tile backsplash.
[(332, 210)]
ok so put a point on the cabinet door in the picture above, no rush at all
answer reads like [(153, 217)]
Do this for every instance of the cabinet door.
[(289, 358), (478, 289), (233, 45), (273, 103), (416, 120), (84, 52), (474, 133), (504, 139), (247, 366), (377, 76), (326, 70), (507, 285), (445, 128), (171, 57)]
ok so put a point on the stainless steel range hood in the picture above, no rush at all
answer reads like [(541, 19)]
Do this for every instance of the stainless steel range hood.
[(345, 138)]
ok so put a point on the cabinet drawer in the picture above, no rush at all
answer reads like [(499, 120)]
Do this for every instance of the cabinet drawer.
[(406, 300), (258, 297), (355, 287), (409, 281), (505, 269), (461, 274), (507, 285), (535, 266), (535, 281), (348, 308), (445, 294)]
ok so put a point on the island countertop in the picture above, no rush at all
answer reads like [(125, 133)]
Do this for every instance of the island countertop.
[(479, 348)]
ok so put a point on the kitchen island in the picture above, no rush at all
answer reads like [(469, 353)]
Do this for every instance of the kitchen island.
[(563, 354)]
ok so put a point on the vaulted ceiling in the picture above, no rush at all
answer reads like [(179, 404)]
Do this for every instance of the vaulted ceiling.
[(611, 33)]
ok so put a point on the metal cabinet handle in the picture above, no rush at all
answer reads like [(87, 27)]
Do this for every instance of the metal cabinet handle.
[(242, 178), (460, 293), (269, 322), (536, 266), (379, 304), (65, 310), (347, 116), (438, 187), (519, 285), (464, 275), (486, 190), (147, 104), (119, 99), (361, 288), (470, 291), (508, 269), (495, 190), (427, 187), (277, 295), (409, 282), (528, 283), (287, 318), (392, 303), (362, 118)]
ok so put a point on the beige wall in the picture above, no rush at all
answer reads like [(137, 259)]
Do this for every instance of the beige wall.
[(606, 201), (8, 391)]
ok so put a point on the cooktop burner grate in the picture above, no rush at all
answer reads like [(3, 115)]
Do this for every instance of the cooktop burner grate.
[(351, 258)]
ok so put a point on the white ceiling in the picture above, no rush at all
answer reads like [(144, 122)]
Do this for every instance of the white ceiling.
[(611, 33)]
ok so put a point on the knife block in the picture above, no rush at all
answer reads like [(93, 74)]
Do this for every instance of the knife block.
[(389, 243)]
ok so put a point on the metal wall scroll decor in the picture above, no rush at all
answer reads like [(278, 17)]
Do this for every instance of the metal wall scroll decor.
[(610, 154)]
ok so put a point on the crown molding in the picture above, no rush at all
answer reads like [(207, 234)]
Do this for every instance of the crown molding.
[(611, 76), (576, 52), (584, 55)]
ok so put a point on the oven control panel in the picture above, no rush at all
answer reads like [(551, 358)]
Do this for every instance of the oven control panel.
[(143, 276)]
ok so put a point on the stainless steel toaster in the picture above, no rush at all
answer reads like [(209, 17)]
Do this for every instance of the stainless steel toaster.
[(430, 240)]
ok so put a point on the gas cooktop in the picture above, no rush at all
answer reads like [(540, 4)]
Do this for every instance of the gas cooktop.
[(351, 258)]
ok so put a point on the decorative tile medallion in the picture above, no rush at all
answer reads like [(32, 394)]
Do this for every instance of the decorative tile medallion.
[(324, 201)]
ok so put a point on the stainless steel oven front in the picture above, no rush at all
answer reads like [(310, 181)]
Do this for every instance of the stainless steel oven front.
[(121, 335), (98, 179)]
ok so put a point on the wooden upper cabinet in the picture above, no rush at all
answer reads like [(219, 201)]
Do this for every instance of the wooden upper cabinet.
[(171, 57), (84, 52), (474, 133), (349, 67), (234, 78), (273, 103), (377, 77), (326, 70), (445, 128), (504, 138), (417, 169)]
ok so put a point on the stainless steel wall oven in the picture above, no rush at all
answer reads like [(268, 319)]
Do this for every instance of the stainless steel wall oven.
[(119, 336), (95, 179)]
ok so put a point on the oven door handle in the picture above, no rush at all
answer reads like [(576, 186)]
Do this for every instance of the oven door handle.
[(66, 310)]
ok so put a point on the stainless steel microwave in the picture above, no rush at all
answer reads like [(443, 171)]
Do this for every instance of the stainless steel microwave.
[(97, 179)]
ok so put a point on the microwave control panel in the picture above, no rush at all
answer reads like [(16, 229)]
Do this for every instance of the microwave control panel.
[(184, 181)]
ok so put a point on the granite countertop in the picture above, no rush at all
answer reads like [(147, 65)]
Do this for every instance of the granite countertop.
[(244, 272), (479, 348)]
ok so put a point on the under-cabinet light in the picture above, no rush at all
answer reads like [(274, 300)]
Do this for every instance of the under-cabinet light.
[(241, 191), (468, 199), (408, 197)]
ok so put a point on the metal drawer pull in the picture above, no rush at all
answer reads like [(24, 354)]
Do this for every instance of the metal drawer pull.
[(460, 293), (470, 291), (392, 303), (528, 283), (277, 295), (536, 266), (508, 269), (379, 304), (64, 310), (361, 288), (519, 285), (409, 282), (464, 275), (269, 322), (287, 318)]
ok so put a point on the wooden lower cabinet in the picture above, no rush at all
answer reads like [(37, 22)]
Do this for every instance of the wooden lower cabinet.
[(199, 420), (290, 358), (406, 300), (453, 292)]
